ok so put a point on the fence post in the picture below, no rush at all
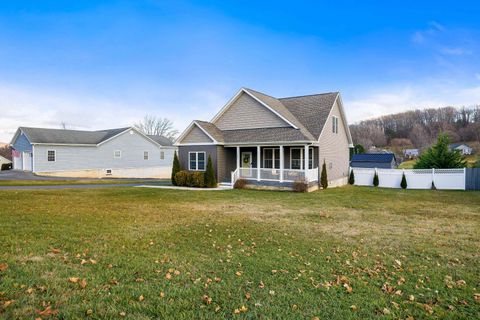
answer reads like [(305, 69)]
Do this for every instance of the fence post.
[(433, 177), (464, 178)]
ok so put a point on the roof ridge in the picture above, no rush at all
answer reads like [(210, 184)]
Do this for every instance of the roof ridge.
[(309, 95)]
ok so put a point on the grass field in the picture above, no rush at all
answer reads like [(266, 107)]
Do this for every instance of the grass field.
[(136, 253)]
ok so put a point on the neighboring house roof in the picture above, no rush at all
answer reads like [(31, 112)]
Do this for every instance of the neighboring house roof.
[(76, 137), (456, 145), (161, 140), (307, 116), (373, 157)]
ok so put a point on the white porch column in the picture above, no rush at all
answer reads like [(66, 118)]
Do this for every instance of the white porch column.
[(238, 158), (306, 157), (282, 161), (258, 163)]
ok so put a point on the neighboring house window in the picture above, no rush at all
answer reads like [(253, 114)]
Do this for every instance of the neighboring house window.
[(117, 154), (145, 155), (196, 161), (297, 156), (271, 158), (334, 124), (162, 155), (330, 165), (51, 155)]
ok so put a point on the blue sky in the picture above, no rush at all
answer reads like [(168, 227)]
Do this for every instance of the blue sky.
[(101, 64)]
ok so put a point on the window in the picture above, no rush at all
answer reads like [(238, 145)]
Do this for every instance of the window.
[(297, 156), (117, 153), (271, 158), (145, 155), (334, 124), (162, 155), (51, 155), (196, 161)]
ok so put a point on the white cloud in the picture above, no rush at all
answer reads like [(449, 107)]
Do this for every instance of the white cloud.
[(46, 107), (392, 100), (456, 51)]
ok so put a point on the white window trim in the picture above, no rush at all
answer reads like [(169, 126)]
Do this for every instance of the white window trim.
[(302, 154), (148, 155), (273, 157), (196, 160), (54, 155), (335, 124), (115, 154)]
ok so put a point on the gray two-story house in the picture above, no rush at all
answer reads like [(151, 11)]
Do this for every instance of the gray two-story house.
[(271, 141)]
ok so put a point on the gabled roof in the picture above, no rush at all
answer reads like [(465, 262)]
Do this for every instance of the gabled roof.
[(306, 115), (456, 145), (161, 140), (373, 157), (75, 137)]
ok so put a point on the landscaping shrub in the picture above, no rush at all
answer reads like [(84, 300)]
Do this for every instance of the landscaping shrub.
[(197, 179), (403, 184), (433, 186), (323, 176), (175, 168), (375, 179), (240, 184), (300, 186), (351, 178), (181, 178), (6, 166), (210, 179)]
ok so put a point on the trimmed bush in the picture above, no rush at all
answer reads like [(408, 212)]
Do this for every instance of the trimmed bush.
[(175, 168), (300, 186), (197, 179), (403, 184), (433, 186), (240, 184), (181, 178), (323, 176), (351, 178), (375, 179), (210, 179)]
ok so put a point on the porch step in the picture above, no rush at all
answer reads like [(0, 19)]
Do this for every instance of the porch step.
[(225, 184)]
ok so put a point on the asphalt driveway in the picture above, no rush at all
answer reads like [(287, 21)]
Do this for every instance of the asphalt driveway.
[(24, 175)]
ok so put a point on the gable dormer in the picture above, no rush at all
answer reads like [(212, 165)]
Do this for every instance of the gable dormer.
[(245, 111)]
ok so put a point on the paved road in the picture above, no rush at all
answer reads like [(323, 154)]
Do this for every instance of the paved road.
[(70, 186)]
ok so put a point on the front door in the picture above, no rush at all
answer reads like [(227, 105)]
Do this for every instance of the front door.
[(246, 164), (27, 161)]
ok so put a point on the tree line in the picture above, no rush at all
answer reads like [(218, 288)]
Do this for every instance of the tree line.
[(418, 128)]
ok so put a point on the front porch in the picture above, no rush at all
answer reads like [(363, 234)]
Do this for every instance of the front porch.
[(276, 165)]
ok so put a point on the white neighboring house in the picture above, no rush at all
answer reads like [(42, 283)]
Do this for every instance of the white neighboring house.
[(119, 153), (463, 148)]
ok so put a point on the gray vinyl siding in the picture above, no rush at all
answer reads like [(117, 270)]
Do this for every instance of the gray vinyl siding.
[(22, 144), (132, 146), (247, 113), (196, 135), (210, 150), (334, 147)]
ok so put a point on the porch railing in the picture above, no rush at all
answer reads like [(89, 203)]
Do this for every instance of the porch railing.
[(280, 175)]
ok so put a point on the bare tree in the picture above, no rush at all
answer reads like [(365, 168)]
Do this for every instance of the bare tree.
[(63, 125), (158, 126)]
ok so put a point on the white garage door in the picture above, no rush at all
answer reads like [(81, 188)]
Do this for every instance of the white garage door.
[(27, 161)]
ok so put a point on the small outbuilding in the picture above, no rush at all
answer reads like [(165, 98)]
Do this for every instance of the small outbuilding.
[(373, 160)]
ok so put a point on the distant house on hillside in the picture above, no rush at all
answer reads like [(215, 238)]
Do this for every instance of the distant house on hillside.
[(123, 152), (373, 160), (411, 153), (463, 148)]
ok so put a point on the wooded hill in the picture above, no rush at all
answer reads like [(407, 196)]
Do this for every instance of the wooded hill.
[(419, 128)]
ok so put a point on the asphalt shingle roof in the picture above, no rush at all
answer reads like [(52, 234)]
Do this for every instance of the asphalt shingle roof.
[(373, 157), (61, 136)]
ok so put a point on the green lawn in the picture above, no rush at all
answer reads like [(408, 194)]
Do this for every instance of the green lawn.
[(137, 253)]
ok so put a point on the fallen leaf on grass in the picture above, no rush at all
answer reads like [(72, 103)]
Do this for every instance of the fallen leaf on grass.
[(206, 299), (238, 273), (89, 312), (141, 298), (83, 283), (3, 266), (122, 314), (73, 279), (348, 288), (353, 307), (7, 303), (386, 311), (29, 290), (55, 251), (247, 296), (476, 296), (411, 298), (261, 285), (162, 294), (47, 312), (168, 276)]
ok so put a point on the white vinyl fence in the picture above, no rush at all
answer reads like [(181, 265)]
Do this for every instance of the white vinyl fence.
[(445, 179)]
